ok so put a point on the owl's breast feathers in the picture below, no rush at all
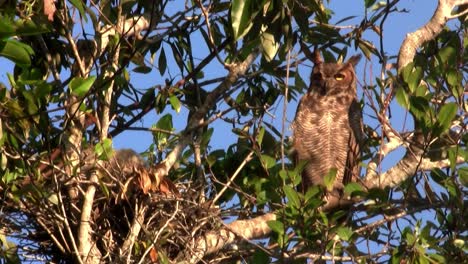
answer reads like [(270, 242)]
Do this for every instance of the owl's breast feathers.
[(324, 137)]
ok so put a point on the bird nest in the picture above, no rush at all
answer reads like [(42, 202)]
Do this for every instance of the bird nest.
[(134, 216)]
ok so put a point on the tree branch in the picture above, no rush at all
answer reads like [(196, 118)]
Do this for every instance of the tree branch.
[(216, 240), (429, 31), (236, 70)]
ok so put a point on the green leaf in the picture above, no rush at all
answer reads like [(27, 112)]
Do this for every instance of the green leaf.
[(402, 97), (367, 48), (9, 251), (142, 69), (267, 161), (414, 78), (260, 256), (16, 51), (438, 175), (80, 86), (81, 8), (463, 176), (354, 188), (260, 134), (369, 3), (7, 28), (241, 17), (104, 149), (453, 153), (292, 196), (313, 192), (104, 188), (9, 176), (206, 138), (162, 62), (454, 77), (276, 226), (344, 233), (177, 55), (329, 179), (269, 46), (24, 27), (446, 114), (448, 55), (451, 187), (283, 175), (299, 82), (175, 103), (165, 123), (406, 71)]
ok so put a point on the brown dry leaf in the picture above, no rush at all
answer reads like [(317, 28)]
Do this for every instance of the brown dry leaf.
[(167, 187), (49, 9), (164, 188), (144, 181), (153, 255)]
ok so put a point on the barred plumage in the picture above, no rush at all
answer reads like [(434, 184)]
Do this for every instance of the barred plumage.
[(327, 128)]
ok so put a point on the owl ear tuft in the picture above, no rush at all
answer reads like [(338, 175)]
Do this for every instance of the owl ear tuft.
[(354, 59)]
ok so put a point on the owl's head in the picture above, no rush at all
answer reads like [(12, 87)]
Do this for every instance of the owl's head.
[(334, 78)]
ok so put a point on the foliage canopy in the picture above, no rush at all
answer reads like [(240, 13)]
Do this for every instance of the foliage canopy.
[(222, 187)]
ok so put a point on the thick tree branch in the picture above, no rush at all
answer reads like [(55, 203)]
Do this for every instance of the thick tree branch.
[(244, 229), (429, 31), (414, 159)]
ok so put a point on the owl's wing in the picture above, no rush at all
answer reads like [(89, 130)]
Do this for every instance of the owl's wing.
[(355, 141)]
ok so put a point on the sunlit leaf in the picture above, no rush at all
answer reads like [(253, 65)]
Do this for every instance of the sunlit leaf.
[(267, 161), (261, 133), (344, 233), (80, 86), (276, 226), (292, 196), (164, 124), (241, 17), (18, 52), (354, 188), (270, 45), (103, 149), (445, 116), (402, 97), (368, 3), (175, 103)]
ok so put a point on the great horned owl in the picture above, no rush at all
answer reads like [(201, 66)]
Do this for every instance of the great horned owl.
[(327, 129)]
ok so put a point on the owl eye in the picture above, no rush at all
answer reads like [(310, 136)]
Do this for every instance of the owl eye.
[(339, 76)]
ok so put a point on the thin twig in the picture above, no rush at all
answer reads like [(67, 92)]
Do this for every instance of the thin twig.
[(239, 169), (176, 210)]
